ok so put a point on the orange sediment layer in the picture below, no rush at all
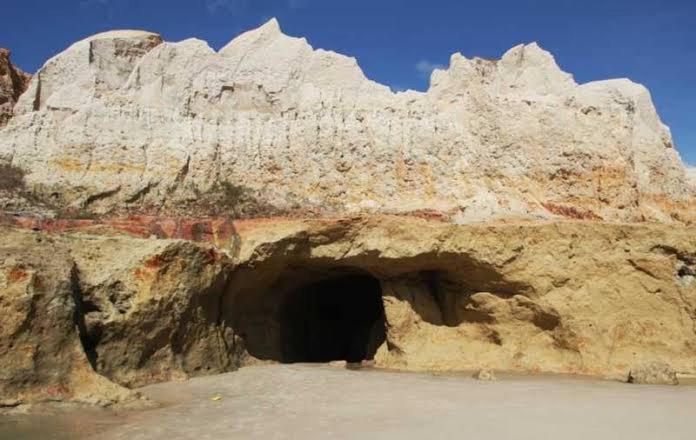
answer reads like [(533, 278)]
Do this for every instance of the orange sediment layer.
[(218, 231)]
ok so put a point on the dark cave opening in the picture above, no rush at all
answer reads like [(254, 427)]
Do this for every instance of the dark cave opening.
[(341, 318)]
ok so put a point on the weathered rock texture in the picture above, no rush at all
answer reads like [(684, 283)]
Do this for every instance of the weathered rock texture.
[(77, 308), (13, 82), (570, 297), (190, 139), (152, 309), (573, 297), (691, 175), (41, 356), (653, 373), (122, 121)]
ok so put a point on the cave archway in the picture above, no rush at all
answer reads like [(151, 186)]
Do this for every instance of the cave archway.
[(340, 318)]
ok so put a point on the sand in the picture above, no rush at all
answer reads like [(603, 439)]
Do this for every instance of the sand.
[(319, 402)]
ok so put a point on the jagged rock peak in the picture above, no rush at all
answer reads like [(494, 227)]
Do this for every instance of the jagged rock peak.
[(123, 33), (87, 69), (525, 69), (267, 31)]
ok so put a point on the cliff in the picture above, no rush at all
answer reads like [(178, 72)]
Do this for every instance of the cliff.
[(124, 123), (507, 218)]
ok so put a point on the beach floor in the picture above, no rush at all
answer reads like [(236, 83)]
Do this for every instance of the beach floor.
[(320, 402)]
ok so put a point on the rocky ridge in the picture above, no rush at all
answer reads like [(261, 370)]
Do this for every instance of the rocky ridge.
[(124, 123)]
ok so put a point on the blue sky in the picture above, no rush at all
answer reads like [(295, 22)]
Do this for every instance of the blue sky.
[(398, 42)]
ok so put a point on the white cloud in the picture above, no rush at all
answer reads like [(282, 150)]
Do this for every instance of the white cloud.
[(425, 68)]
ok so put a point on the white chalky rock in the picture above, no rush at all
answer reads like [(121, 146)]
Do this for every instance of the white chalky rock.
[(123, 120)]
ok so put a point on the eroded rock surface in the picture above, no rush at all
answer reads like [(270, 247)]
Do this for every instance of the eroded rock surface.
[(13, 82), (123, 122), (584, 298), (124, 142), (82, 311), (152, 309), (41, 355), (570, 297)]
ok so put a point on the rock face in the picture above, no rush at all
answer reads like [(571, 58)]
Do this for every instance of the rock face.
[(13, 82), (123, 122), (130, 310), (41, 356), (565, 297), (571, 297), (266, 150), (152, 310)]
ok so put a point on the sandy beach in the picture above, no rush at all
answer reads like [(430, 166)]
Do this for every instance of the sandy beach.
[(319, 402)]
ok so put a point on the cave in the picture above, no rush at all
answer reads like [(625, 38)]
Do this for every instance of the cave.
[(339, 318)]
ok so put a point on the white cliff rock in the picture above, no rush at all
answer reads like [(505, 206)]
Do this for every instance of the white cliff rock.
[(691, 175), (125, 122)]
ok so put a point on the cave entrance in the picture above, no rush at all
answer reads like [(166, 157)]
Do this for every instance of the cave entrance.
[(341, 318)]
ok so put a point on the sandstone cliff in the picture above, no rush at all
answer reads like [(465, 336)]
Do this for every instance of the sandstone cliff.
[(124, 122), (303, 180), (13, 82), (569, 297), (82, 312), (564, 297)]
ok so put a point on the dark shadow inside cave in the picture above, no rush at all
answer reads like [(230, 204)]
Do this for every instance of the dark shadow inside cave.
[(341, 318)]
